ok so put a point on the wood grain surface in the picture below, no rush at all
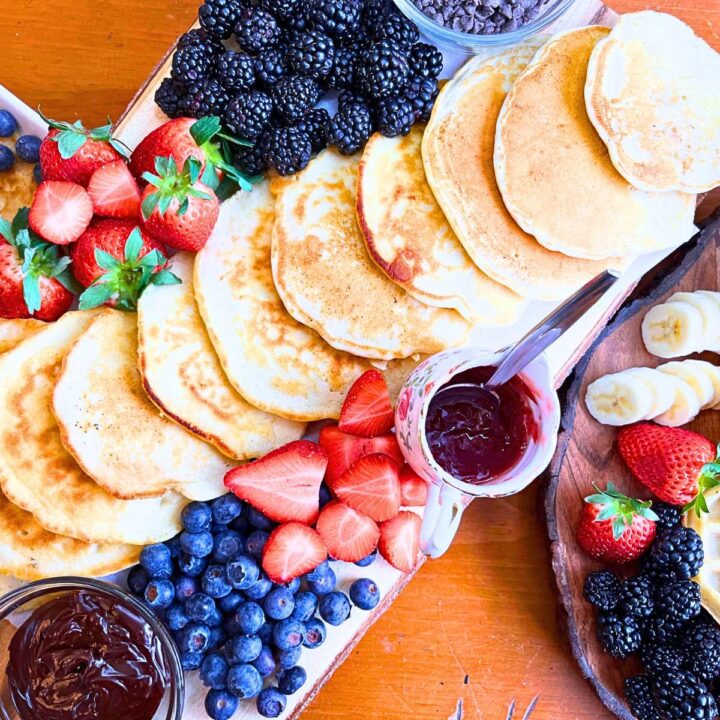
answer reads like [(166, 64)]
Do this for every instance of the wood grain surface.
[(476, 628)]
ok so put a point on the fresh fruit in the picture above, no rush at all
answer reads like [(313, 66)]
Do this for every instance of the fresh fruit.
[(602, 589), (413, 489), (159, 594), (351, 127), (284, 484), (291, 680), (292, 550), (679, 553), (244, 681), (638, 691), (679, 601), (114, 191), (701, 647), (61, 211), (7, 158), (27, 148), (636, 597), (685, 407), (619, 635), (659, 659), (315, 633), (615, 528), (709, 309), (695, 376), (8, 124), (371, 486), (288, 634), (279, 604), (676, 465), (673, 329), (365, 594), (669, 516), (322, 579), (619, 399), (248, 114), (348, 535), (335, 608), (680, 695), (242, 572), (400, 540), (286, 149), (367, 410)]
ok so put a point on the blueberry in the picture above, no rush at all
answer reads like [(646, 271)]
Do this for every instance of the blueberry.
[(191, 565), (157, 561), (334, 608), (322, 579), (8, 124), (249, 617), (288, 634), (217, 639), (194, 637), (305, 606), (176, 618), (293, 586), (230, 626), (260, 589), (196, 517), (325, 495), (257, 519), (173, 545), (226, 508), (241, 524), (288, 658), (279, 603), (7, 158), (27, 148), (367, 560), (213, 671), (265, 633), (365, 594), (255, 543), (199, 544), (242, 649), (199, 607), (137, 579), (244, 681), (228, 544), (230, 602), (38, 174), (214, 582), (220, 704), (242, 572), (191, 660), (185, 587), (217, 528), (215, 618), (159, 594), (271, 702), (264, 663), (291, 680), (315, 633)]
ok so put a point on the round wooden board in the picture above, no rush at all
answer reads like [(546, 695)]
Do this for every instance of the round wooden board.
[(586, 454)]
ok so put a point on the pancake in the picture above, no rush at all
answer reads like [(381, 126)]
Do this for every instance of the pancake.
[(113, 430), (30, 552), (410, 240), (458, 157), (554, 172), (13, 332), (182, 374), (327, 281), (273, 361), (36, 472), (652, 95)]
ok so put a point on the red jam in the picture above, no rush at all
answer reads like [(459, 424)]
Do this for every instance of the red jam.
[(477, 434)]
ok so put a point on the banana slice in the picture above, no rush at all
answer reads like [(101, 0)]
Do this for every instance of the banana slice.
[(660, 388), (673, 329), (713, 373), (709, 309), (619, 399), (695, 377), (715, 297), (686, 405)]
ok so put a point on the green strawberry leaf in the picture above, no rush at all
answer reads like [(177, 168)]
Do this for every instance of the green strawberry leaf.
[(133, 246), (31, 292), (68, 281), (619, 509), (165, 277), (234, 140), (6, 230), (149, 204), (226, 189), (192, 168), (105, 260), (152, 259), (96, 295), (61, 266), (69, 142), (205, 129), (210, 177)]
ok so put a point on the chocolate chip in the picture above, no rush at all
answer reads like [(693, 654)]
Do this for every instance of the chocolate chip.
[(481, 17)]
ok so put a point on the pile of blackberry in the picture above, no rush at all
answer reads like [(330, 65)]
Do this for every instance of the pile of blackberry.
[(284, 56), (658, 616)]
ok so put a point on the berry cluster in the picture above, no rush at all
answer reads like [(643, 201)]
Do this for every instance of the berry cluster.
[(27, 147), (228, 618), (291, 53)]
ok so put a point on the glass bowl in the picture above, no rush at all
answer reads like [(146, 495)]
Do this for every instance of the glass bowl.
[(458, 41), (16, 605)]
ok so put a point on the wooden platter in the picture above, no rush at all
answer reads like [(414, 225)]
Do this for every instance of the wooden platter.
[(586, 454)]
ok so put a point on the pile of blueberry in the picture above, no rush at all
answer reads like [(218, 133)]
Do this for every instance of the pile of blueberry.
[(288, 55), (243, 632), (27, 147)]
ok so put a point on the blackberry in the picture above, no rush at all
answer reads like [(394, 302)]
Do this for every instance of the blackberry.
[(251, 160), (202, 38), (170, 97), (218, 17), (657, 574), (639, 694), (620, 636), (383, 71), (681, 695), (602, 589), (659, 659), (193, 63), (294, 96), (395, 116), (422, 93), (679, 601), (315, 126), (342, 74), (300, 19), (350, 96), (287, 150), (337, 18), (398, 28), (282, 9), (206, 98), (679, 551), (374, 13), (701, 643), (256, 30), (636, 596), (311, 53), (661, 631), (270, 66), (426, 61), (669, 516), (236, 71), (351, 127), (248, 114)]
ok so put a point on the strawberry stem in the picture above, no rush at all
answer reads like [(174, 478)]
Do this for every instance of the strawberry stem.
[(708, 479), (619, 508), (72, 137)]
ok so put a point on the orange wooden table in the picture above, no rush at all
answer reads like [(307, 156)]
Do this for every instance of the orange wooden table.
[(479, 626)]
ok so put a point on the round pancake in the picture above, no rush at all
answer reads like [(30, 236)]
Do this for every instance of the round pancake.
[(458, 156), (652, 95), (36, 472), (410, 240), (182, 374), (112, 429), (327, 281), (273, 361), (554, 172), (13, 332)]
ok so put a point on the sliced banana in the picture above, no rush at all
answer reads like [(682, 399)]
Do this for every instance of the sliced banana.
[(685, 407), (715, 297), (709, 309), (660, 388), (695, 377), (619, 399), (713, 373), (673, 329)]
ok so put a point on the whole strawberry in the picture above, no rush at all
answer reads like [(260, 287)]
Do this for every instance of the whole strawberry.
[(615, 528), (678, 466)]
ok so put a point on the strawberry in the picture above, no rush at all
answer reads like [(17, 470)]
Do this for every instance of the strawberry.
[(348, 535), (371, 486), (615, 528), (343, 450), (114, 191), (61, 211), (176, 207), (34, 279), (284, 484), (676, 465), (400, 540), (72, 153), (367, 410), (292, 550), (413, 489)]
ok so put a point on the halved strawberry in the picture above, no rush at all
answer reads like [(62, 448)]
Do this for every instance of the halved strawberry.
[(413, 489), (61, 211), (400, 540), (348, 535), (114, 191), (292, 550), (367, 410), (343, 449), (371, 486), (284, 484)]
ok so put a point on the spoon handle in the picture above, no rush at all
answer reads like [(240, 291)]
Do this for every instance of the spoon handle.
[(552, 327)]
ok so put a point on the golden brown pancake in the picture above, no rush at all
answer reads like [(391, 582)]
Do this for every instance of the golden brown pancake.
[(13, 332)]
